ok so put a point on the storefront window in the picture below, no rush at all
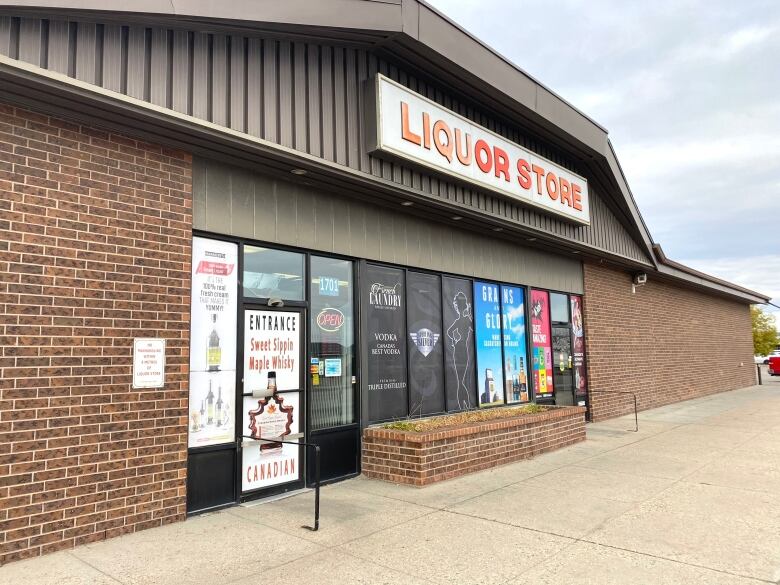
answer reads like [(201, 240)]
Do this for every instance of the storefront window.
[(561, 349), (515, 357), (490, 365), (459, 363), (541, 345), (273, 274), (332, 355), (426, 353), (559, 308), (383, 294), (578, 335)]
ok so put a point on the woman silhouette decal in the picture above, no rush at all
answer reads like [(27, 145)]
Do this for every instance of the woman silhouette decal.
[(459, 334)]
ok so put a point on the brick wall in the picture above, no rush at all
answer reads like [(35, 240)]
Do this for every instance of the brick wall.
[(95, 236), (424, 458), (664, 343)]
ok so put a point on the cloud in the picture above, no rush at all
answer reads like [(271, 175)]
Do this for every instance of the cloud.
[(517, 318), (660, 160), (688, 90), (740, 40), (760, 273)]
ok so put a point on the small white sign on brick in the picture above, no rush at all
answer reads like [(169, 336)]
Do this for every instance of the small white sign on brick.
[(148, 362)]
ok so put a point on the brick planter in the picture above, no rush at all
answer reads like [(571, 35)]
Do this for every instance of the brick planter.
[(424, 458)]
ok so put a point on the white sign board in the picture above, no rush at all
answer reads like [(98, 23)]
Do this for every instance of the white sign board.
[(148, 362), (413, 127), (214, 305), (212, 404), (272, 343)]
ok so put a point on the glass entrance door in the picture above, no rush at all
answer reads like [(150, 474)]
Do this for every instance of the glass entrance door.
[(561, 349), (562, 365), (272, 388)]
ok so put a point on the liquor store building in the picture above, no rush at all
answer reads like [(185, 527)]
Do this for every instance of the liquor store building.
[(358, 209)]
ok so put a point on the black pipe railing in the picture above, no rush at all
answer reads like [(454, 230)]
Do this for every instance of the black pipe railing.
[(316, 473), (636, 410)]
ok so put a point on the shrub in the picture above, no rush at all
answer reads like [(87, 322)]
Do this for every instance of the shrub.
[(449, 420)]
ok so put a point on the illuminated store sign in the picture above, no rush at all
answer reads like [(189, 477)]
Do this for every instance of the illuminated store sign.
[(411, 126), (330, 319)]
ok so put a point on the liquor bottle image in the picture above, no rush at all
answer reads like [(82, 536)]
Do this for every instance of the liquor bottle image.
[(508, 377), (202, 412), (194, 417), (521, 374), (522, 380), (210, 406), (214, 358), (271, 382), (219, 407)]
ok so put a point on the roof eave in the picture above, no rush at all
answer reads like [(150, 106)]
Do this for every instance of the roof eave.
[(416, 27), (686, 274)]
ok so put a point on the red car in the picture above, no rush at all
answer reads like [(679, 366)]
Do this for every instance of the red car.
[(774, 366)]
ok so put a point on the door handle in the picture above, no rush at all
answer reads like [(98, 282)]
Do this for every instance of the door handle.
[(265, 394), (290, 437)]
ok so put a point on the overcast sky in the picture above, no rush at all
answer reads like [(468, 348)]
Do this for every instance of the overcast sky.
[(689, 91)]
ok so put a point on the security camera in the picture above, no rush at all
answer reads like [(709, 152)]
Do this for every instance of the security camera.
[(275, 303), (640, 278)]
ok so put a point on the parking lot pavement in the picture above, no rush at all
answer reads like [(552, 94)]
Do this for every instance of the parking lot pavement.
[(691, 498)]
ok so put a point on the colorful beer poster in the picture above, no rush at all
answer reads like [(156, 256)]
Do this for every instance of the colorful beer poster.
[(578, 333), (214, 307), (515, 355), (541, 344), (490, 369)]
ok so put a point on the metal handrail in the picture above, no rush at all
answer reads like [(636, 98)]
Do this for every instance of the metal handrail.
[(316, 473), (636, 410)]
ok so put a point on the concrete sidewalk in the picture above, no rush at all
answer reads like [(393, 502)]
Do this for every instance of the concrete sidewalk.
[(694, 497)]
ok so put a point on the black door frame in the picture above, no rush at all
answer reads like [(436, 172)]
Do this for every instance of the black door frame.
[(557, 374), (569, 334), (319, 435)]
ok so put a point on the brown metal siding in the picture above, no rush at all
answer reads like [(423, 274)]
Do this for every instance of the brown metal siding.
[(303, 96)]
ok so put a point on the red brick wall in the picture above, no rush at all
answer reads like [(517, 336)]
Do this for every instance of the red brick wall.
[(424, 458), (664, 343), (95, 236)]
